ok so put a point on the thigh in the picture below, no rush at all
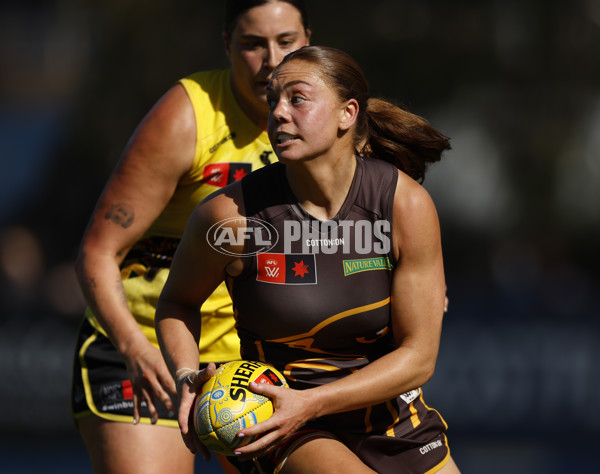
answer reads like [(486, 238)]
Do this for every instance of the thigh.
[(116, 448), (325, 455), (449, 468)]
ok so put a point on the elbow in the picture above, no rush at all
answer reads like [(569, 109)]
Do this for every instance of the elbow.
[(428, 372), (79, 265), (424, 372), (86, 264)]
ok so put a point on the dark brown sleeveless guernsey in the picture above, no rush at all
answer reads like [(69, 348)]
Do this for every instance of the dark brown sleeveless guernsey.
[(316, 305)]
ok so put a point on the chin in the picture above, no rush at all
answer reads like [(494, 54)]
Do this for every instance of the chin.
[(260, 93), (289, 158)]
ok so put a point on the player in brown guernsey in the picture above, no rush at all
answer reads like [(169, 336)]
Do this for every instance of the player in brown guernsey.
[(333, 259)]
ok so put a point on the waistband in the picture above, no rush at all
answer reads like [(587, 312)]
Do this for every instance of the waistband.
[(148, 256)]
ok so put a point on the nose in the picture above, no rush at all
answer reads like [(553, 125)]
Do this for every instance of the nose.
[(272, 56), (279, 112)]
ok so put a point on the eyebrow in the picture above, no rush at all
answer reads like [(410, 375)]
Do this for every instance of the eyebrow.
[(293, 83), (281, 35), (290, 84)]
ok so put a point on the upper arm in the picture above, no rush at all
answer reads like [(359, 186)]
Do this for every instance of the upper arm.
[(198, 267), (159, 153), (418, 285)]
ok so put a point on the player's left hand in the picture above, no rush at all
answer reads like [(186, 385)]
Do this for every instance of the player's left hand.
[(292, 409)]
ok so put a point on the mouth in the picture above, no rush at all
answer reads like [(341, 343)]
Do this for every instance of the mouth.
[(285, 138), (262, 84)]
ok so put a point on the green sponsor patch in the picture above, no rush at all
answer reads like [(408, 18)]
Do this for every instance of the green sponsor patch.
[(366, 264)]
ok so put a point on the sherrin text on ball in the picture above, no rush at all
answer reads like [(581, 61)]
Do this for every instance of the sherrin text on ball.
[(226, 404)]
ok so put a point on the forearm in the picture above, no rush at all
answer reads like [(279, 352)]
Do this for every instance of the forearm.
[(395, 373), (178, 333), (100, 281)]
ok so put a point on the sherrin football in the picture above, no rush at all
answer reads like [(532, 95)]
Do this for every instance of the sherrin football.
[(226, 404)]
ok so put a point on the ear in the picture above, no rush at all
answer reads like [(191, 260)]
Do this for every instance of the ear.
[(308, 33), (349, 113), (227, 44)]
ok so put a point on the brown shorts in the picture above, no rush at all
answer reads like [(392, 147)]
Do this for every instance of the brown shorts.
[(383, 454)]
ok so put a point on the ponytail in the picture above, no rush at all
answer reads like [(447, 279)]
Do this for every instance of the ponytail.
[(399, 137), (383, 130)]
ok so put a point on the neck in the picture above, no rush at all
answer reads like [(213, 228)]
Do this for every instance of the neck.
[(321, 186)]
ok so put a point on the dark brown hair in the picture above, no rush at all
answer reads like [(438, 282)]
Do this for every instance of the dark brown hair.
[(236, 8), (383, 130)]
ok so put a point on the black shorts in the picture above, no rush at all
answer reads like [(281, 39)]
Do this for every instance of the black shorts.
[(383, 454), (101, 384)]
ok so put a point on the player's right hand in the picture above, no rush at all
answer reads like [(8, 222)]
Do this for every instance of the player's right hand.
[(150, 379), (188, 386)]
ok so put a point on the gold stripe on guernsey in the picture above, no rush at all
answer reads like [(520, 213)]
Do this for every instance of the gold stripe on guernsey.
[(368, 425), (414, 418), (257, 466), (394, 413), (309, 364), (305, 340), (432, 409), (261, 352)]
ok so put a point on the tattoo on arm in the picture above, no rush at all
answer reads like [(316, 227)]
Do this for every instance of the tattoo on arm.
[(121, 214)]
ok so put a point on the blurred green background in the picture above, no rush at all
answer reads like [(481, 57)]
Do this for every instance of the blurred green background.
[(515, 84)]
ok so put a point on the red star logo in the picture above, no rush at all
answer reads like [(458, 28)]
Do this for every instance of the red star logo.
[(239, 174), (300, 269)]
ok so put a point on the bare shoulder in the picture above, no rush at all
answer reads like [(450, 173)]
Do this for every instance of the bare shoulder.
[(223, 208), (226, 203), (174, 110), (411, 197), (415, 216), (216, 225), (167, 135)]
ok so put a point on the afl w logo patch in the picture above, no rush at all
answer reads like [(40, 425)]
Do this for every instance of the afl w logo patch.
[(287, 269), (222, 174)]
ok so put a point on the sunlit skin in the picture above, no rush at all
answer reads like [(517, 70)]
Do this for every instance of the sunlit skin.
[(309, 121), (312, 131), (159, 154), (305, 115), (261, 39)]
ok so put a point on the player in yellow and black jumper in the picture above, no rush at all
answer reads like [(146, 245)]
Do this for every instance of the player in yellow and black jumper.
[(338, 281), (204, 133)]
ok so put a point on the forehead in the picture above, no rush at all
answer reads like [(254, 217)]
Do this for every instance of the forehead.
[(298, 71), (270, 19)]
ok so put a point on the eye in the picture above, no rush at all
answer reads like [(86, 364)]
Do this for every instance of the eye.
[(287, 42), (297, 100), (251, 44), (271, 102)]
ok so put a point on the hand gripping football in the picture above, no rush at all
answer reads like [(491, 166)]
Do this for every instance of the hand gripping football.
[(225, 404)]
